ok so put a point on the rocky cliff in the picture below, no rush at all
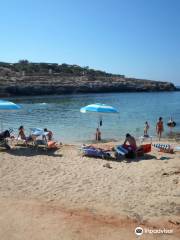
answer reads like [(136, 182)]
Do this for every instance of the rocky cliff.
[(15, 81)]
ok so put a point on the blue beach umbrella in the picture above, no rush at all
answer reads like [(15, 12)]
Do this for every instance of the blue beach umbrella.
[(99, 109), (8, 106)]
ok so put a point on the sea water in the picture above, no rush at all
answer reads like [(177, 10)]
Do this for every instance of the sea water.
[(61, 114)]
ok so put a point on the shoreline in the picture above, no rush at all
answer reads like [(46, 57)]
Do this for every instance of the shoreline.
[(8, 95)]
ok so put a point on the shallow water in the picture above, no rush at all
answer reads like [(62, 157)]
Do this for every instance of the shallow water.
[(61, 114)]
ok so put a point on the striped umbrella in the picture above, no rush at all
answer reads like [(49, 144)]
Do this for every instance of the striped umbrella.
[(8, 106)]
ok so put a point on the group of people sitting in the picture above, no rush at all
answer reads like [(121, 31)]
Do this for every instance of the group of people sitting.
[(47, 137), (21, 134)]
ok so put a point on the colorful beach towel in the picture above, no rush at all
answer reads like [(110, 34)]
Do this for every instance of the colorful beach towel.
[(162, 146), (121, 150), (166, 148)]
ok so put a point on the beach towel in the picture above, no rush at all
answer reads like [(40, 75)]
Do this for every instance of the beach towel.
[(121, 150), (91, 151), (162, 146), (127, 151), (166, 148)]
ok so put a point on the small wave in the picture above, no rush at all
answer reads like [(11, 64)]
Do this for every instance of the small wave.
[(43, 103)]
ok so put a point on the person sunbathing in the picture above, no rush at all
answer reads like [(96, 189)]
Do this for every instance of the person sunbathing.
[(131, 143)]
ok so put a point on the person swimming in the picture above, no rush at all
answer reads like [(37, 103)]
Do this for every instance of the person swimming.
[(160, 128)]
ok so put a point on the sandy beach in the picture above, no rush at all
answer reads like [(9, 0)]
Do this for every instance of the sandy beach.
[(63, 195)]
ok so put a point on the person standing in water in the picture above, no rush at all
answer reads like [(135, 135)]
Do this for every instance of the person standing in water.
[(146, 128), (159, 128), (171, 124), (98, 134)]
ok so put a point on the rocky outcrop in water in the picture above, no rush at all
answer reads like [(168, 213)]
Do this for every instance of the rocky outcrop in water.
[(69, 79)]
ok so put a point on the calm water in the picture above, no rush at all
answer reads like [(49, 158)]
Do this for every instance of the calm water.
[(61, 114)]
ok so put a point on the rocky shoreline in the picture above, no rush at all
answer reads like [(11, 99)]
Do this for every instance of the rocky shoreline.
[(40, 85), (68, 80)]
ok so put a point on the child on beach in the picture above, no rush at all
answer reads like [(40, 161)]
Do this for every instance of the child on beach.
[(146, 128), (159, 128)]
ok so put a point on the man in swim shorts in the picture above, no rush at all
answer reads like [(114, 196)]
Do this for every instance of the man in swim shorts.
[(131, 143)]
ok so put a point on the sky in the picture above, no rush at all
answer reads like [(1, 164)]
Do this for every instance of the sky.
[(137, 38)]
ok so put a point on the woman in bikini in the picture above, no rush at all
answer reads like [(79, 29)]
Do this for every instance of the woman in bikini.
[(159, 128), (22, 135)]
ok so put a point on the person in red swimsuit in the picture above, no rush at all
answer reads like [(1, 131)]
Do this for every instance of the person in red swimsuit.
[(159, 128)]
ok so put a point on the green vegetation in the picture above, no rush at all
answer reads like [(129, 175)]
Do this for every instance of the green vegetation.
[(30, 68)]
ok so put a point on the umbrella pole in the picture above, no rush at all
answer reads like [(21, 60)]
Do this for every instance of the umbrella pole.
[(1, 125), (99, 119)]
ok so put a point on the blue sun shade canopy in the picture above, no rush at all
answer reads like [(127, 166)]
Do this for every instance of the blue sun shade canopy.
[(98, 108), (8, 106)]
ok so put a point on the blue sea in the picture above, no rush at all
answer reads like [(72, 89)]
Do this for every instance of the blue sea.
[(61, 114)]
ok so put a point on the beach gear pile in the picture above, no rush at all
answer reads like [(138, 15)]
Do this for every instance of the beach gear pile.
[(121, 151)]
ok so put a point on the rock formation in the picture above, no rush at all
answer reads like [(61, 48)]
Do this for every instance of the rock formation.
[(67, 79)]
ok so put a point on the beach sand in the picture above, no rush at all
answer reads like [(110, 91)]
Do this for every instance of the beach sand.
[(65, 196)]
